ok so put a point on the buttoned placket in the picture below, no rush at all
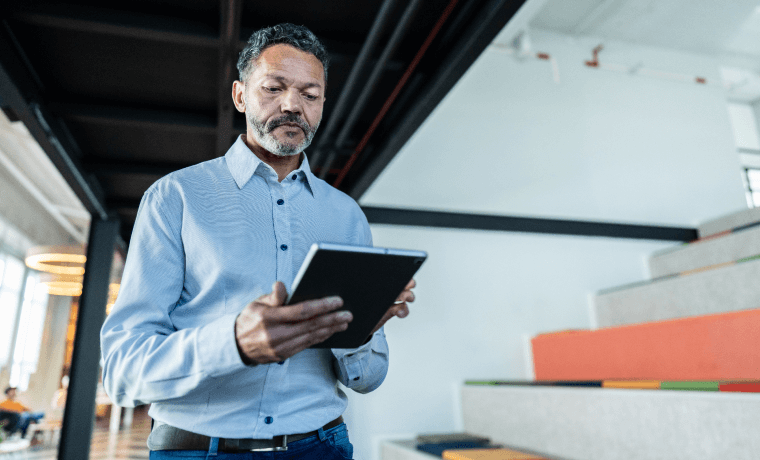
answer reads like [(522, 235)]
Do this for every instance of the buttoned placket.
[(279, 192), (276, 375)]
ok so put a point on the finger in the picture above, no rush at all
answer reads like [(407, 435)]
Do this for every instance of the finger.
[(265, 344), (304, 341), (304, 311), (276, 297), (292, 330), (390, 313), (405, 296), (410, 285), (401, 310), (285, 332)]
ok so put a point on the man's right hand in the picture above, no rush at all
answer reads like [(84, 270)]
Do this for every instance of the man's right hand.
[(268, 332)]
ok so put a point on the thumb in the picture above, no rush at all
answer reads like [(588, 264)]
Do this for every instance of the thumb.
[(278, 295)]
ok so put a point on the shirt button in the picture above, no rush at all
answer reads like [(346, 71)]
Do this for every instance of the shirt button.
[(356, 378), (280, 201), (281, 363), (268, 420), (295, 176), (284, 247)]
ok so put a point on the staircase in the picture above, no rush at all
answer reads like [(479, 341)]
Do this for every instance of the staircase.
[(696, 319)]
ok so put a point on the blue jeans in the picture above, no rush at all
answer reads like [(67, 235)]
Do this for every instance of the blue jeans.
[(332, 444), (20, 421)]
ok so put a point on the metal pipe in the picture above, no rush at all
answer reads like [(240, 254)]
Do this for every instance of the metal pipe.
[(396, 91), (361, 61), (369, 87)]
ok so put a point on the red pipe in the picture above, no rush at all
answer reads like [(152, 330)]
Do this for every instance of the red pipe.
[(387, 105)]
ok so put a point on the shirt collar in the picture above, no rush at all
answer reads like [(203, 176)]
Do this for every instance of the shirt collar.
[(243, 164)]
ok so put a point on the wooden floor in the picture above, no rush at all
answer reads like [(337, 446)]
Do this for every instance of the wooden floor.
[(128, 444)]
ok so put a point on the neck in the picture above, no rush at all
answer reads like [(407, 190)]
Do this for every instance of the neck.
[(281, 165)]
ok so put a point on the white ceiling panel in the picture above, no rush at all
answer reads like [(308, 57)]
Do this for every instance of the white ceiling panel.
[(702, 26)]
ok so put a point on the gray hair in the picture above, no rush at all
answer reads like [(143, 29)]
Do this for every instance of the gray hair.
[(296, 36)]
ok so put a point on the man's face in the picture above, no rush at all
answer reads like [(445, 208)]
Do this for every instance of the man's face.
[(12, 394), (283, 99)]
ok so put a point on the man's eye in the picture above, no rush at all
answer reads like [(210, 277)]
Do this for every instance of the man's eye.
[(271, 89), (310, 97)]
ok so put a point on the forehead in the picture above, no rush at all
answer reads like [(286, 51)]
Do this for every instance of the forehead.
[(286, 61)]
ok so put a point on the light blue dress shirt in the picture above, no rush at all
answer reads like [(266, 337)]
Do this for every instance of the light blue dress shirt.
[(208, 240)]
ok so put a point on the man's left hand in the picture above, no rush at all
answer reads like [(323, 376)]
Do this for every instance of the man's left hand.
[(400, 308)]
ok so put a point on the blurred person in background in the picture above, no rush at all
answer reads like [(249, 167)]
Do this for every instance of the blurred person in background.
[(18, 415)]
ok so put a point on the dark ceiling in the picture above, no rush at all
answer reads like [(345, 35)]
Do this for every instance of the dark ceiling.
[(120, 95)]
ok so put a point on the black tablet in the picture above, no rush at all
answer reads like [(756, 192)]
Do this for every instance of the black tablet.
[(367, 279)]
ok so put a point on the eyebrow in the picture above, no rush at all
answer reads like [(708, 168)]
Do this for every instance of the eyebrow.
[(285, 80)]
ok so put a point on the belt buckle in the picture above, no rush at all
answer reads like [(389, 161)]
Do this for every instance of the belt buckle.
[(281, 448)]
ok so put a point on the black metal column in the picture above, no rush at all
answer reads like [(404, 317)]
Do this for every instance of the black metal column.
[(78, 417)]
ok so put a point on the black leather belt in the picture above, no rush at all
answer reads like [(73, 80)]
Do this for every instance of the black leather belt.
[(167, 437)]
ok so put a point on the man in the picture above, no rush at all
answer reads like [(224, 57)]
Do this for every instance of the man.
[(224, 373), (16, 415)]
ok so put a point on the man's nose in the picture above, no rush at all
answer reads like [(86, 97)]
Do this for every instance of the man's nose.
[(291, 102)]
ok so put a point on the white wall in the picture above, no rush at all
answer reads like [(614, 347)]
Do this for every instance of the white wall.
[(599, 145), (479, 294), (756, 110), (508, 140), (745, 126)]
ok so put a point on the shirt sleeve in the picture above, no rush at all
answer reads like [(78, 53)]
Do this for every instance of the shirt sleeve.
[(363, 369), (145, 358)]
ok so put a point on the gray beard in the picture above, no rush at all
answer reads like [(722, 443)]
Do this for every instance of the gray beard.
[(262, 132)]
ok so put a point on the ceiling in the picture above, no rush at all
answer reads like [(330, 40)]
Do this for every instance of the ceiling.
[(728, 30), (700, 26), (119, 96), (22, 159)]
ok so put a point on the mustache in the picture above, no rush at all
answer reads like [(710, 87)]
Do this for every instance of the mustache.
[(289, 118)]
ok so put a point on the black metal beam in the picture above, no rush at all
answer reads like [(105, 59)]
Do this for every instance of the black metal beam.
[(136, 117), (468, 221), (147, 27), (340, 50), (119, 23), (123, 204), (440, 219), (373, 36), (229, 38), (18, 92), (78, 417), (487, 24), (368, 89), (102, 167)]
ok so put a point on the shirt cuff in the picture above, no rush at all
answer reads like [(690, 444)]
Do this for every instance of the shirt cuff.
[(350, 361), (217, 349)]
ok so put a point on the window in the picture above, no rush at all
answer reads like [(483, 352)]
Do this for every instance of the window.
[(752, 185), (747, 138), (26, 353), (12, 272)]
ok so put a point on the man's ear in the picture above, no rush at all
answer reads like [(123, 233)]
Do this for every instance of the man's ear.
[(238, 91)]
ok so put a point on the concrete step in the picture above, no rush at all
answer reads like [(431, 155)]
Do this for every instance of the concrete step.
[(728, 288), (407, 450), (707, 253), (611, 424), (724, 346), (403, 450), (728, 222)]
